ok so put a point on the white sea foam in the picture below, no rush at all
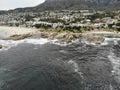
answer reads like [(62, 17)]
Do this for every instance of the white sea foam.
[(57, 42), (111, 87), (87, 42), (63, 51), (106, 42), (7, 44), (116, 65), (75, 66), (40, 41), (109, 40)]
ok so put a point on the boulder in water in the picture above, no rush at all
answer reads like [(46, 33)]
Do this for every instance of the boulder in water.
[(70, 37), (60, 35), (1, 46)]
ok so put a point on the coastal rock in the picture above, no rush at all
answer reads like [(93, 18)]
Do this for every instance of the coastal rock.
[(95, 39), (67, 37), (52, 35), (18, 37), (44, 35), (60, 35), (70, 37), (1, 46), (63, 37)]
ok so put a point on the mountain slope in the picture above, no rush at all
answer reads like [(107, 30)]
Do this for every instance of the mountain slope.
[(77, 4), (72, 4)]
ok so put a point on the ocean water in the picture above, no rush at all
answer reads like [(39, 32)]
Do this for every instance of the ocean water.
[(40, 64)]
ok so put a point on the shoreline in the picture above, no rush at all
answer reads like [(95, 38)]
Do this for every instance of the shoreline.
[(19, 33), (34, 36), (26, 30)]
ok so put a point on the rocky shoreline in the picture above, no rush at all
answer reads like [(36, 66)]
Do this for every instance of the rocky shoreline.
[(66, 37), (18, 37)]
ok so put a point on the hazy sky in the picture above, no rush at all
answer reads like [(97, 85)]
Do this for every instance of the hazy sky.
[(12, 4)]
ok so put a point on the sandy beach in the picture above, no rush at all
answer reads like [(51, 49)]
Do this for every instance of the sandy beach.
[(99, 32), (16, 30), (25, 30)]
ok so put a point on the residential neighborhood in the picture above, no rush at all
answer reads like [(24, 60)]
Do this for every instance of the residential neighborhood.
[(63, 19)]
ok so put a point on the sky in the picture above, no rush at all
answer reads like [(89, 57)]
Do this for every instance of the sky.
[(12, 4)]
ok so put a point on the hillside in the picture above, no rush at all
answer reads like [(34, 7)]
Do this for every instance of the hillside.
[(78, 4), (72, 4)]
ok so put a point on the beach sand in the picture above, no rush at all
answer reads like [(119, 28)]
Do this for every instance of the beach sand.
[(16, 30), (99, 32)]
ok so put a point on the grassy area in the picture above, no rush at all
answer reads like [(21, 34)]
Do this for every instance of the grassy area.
[(110, 30), (75, 31)]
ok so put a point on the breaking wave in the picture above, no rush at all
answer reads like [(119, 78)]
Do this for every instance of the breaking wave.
[(7, 44), (75, 67), (107, 41)]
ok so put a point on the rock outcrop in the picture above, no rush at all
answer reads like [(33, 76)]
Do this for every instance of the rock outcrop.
[(1, 46), (95, 39), (65, 37), (18, 37)]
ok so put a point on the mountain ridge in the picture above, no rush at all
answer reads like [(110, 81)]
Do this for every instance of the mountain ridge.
[(71, 4), (78, 4)]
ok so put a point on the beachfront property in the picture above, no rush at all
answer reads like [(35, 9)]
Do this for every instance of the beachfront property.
[(62, 19)]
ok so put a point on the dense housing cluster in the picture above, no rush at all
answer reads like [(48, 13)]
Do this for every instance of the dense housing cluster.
[(64, 20)]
